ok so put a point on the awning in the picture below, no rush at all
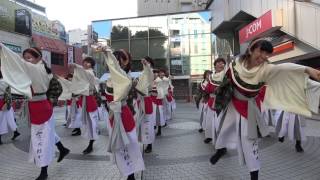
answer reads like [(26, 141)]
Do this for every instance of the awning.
[(52, 45)]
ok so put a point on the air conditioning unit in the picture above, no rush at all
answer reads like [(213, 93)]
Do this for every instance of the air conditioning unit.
[(185, 1)]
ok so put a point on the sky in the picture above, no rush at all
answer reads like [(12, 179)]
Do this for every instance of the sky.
[(79, 13)]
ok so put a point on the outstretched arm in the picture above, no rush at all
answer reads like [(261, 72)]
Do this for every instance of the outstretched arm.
[(15, 71), (145, 79), (120, 80)]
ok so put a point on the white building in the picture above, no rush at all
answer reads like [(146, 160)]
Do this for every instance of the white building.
[(78, 37), (153, 7)]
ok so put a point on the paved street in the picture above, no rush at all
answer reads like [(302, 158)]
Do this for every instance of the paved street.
[(179, 154)]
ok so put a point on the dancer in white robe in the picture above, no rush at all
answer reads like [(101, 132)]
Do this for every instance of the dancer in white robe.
[(145, 119), (211, 121), (238, 99), (123, 142), (32, 72), (203, 98), (7, 118), (84, 83)]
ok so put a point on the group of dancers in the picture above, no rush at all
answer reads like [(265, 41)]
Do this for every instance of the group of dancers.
[(133, 109), (241, 99)]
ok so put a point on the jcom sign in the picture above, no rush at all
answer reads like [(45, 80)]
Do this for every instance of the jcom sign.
[(263, 24)]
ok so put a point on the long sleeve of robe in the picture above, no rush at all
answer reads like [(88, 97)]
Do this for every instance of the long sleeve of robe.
[(19, 73), (286, 85), (120, 81), (145, 79), (83, 81), (66, 89)]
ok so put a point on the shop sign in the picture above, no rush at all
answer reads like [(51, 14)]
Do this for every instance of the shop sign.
[(14, 48), (70, 55), (265, 23)]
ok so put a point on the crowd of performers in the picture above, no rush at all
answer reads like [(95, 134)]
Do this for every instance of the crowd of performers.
[(240, 100), (133, 109)]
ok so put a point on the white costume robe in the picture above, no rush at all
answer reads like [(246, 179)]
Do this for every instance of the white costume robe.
[(203, 106), (211, 121), (123, 142), (20, 75), (84, 84), (7, 122), (145, 118), (241, 132)]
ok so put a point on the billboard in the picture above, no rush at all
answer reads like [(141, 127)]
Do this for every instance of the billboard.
[(14, 18)]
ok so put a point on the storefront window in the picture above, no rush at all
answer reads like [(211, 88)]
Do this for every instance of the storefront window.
[(57, 59)]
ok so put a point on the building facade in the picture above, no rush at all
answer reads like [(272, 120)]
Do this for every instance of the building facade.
[(180, 43), (292, 26), (78, 37), (156, 7), (23, 24)]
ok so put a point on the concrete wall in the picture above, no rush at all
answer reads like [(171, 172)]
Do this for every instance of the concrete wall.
[(15, 39)]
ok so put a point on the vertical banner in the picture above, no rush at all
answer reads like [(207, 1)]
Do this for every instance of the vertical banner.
[(46, 56), (70, 55)]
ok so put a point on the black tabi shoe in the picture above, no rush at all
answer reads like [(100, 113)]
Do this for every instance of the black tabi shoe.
[(148, 149), (281, 139), (63, 154), (254, 175), (77, 133), (131, 177), (42, 176), (200, 130), (215, 158), (15, 135), (88, 150), (207, 140), (65, 125), (299, 148), (75, 130)]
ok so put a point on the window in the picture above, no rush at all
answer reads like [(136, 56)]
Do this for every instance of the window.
[(175, 32), (57, 59), (196, 49), (195, 34), (176, 44)]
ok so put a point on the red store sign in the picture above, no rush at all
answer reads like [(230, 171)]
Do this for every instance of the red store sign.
[(263, 24)]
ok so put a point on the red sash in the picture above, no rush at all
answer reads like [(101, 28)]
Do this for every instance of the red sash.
[(91, 103), (148, 105), (156, 101), (127, 119), (40, 111), (1, 104), (211, 103), (109, 98), (69, 102)]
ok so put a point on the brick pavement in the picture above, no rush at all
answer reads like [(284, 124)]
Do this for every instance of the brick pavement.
[(178, 154)]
